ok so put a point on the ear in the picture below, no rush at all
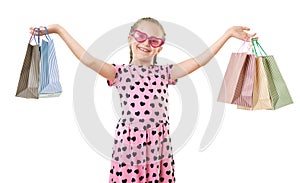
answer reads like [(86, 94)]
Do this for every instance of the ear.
[(129, 39)]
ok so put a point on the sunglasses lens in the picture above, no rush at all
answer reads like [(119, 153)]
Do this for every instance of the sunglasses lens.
[(139, 36), (155, 42), (142, 37)]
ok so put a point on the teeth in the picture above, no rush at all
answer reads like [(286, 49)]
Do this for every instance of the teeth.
[(143, 49)]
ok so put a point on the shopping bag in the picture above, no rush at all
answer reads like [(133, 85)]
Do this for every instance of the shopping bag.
[(261, 97), (243, 97), (28, 86), (238, 77), (39, 75), (49, 74), (278, 90)]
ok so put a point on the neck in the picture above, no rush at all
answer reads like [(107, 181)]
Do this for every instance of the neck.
[(146, 63)]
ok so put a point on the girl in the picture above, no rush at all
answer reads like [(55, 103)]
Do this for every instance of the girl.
[(142, 151)]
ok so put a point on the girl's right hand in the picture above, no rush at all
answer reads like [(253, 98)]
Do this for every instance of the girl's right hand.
[(51, 29)]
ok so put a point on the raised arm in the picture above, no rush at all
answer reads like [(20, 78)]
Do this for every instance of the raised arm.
[(104, 69), (188, 66)]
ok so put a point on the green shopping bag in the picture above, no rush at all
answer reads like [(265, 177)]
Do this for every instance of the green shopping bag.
[(278, 90)]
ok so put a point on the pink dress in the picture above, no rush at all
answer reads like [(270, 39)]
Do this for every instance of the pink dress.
[(142, 151)]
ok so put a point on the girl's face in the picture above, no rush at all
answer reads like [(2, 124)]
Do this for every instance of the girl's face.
[(144, 52)]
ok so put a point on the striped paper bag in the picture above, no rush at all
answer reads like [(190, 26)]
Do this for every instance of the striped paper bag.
[(39, 75), (261, 97), (237, 86), (49, 75), (28, 86), (244, 90), (231, 86), (279, 93), (270, 89)]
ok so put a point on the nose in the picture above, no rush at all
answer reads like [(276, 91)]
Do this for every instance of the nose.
[(146, 43)]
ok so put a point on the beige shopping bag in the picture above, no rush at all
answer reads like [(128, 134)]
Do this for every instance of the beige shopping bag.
[(261, 96)]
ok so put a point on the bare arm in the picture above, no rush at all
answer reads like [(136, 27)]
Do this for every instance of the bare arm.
[(104, 69), (188, 66)]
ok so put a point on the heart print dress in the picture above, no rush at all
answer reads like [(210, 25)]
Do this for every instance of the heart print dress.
[(142, 150)]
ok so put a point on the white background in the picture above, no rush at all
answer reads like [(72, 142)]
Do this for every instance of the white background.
[(41, 142)]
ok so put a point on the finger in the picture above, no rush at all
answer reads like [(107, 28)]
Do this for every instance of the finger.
[(41, 28), (247, 39), (32, 30), (252, 35), (246, 28)]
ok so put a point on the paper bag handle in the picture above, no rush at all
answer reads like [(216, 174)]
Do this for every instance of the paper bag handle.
[(243, 46), (257, 46), (47, 33), (32, 35)]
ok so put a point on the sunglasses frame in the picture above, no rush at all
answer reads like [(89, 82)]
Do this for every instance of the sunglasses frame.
[(147, 38)]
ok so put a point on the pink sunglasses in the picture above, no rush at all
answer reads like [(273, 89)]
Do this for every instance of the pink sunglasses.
[(142, 37)]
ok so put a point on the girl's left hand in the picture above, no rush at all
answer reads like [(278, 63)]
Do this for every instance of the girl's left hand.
[(239, 32)]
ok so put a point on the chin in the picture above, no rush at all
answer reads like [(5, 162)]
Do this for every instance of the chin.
[(145, 57)]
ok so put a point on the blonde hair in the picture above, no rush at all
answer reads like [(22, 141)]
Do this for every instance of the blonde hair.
[(135, 25)]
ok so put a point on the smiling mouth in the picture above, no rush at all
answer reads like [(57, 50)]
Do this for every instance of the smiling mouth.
[(143, 49)]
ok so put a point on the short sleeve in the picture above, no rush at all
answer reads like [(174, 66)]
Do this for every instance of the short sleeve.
[(171, 81), (116, 79)]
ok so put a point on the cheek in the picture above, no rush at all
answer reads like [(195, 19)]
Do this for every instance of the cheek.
[(133, 47), (156, 50)]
